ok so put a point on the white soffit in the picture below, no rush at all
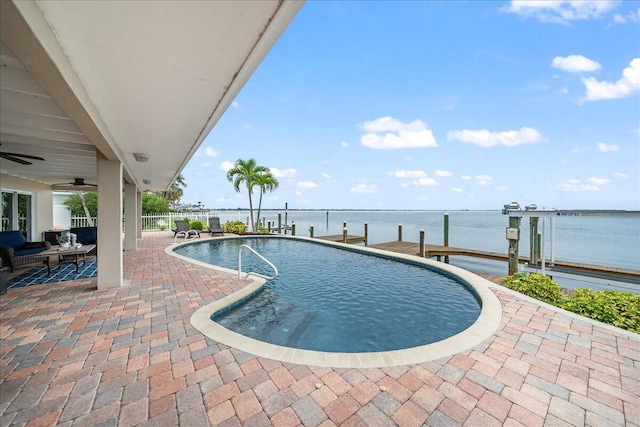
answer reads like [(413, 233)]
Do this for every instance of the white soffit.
[(161, 73)]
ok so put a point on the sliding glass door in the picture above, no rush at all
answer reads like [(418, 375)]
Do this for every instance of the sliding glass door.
[(16, 212)]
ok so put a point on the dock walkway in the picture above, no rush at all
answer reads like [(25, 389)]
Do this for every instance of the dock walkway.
[(437, 251)]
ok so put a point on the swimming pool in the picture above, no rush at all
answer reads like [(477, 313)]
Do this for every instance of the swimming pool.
[(331, 300)]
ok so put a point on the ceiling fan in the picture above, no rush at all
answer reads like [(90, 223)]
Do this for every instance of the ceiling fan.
[(19, 158), (77, 182)]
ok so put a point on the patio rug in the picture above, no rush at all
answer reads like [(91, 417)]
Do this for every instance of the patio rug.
[(38, 275)]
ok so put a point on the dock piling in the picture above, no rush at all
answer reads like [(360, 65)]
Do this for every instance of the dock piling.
[(366, 234), (344, 233), (446, 235), (293, 228), (513, 235), (422, 243), (279, 222), (399, 232), (311, 231)]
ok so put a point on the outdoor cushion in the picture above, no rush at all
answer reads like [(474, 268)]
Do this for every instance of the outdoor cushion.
[(86, 235), (15, 250), (13, 239)]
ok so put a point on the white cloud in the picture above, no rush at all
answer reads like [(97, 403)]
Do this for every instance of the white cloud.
[(404, 185), (387, 133), (248, 126), (633, 16), (408, 174), (621, 175), (344, 144), (484, 138), (364, 189), (559, 11), (607, 148), (576, 185), (443, 173), (326, 176), (299, 193), (575, 64), (502, 188), (210, 152), (306, 184), (627, 85), (483, 179), (235, 104), (226, 165), (409, 159), (425, 182), (284, 173), (598, 181), (465, 177), (457, 190)]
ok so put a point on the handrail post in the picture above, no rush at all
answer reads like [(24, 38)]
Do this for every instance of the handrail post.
[(251, 272)]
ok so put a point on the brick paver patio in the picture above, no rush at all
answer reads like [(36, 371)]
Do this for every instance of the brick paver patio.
[(75, 356)]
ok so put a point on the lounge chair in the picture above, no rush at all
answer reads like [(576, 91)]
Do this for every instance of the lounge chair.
[(214, 226), (181, 225)]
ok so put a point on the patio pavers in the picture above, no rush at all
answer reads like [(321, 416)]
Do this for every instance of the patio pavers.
[(74, 356)]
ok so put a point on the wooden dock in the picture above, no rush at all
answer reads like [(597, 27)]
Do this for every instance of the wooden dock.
[(438, 251), (351, 238)]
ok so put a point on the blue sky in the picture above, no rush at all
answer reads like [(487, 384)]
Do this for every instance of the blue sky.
[(439, 106)]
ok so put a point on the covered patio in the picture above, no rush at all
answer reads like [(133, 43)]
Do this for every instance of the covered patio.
[(117, 97), (74, 355)]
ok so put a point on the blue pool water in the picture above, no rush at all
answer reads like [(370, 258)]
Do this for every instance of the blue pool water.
[(336, 300)]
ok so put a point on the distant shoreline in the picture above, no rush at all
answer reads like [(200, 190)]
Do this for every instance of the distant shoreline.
[(355, 210)]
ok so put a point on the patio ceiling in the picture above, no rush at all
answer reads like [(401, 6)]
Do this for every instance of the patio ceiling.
[(119, 78)]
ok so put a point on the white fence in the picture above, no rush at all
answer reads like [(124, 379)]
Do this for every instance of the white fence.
[(155, 222)]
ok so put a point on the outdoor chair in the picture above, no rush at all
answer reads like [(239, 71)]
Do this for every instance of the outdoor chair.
[(214, 226), (181, 225)]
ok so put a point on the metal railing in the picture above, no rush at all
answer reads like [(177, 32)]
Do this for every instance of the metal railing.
[(252, 272)]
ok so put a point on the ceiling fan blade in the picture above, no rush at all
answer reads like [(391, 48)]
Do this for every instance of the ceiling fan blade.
[(8, 156), (26, 156)]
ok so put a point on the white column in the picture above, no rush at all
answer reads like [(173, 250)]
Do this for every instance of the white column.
[(130, 220), (110, 270), (139, 212)]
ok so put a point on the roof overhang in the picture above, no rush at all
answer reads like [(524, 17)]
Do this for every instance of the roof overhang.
[(124, 77)]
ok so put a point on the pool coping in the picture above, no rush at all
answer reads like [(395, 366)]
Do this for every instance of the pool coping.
[(485, 325)]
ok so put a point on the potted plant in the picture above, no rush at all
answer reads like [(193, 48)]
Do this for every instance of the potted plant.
[(64, 240)]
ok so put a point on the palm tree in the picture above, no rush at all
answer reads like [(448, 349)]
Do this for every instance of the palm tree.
[(267, 182), (174, 192), (246, 171)]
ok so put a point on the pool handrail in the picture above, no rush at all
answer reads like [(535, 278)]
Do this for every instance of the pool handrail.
[(252, 272)]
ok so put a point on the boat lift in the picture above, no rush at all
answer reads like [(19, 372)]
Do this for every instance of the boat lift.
[(515, 214)]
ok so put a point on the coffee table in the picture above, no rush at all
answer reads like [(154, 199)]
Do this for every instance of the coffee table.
[(66, 256)]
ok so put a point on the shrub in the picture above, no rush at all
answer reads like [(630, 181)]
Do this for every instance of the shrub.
[(536, 286), (196, 225), (263, 230), (621, 309), (235, 227)]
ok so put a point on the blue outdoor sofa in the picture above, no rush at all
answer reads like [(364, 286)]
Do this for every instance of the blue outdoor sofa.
[(16, 251)]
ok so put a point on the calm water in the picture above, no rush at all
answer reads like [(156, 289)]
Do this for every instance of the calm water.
[(609, 241), (336, 300)]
